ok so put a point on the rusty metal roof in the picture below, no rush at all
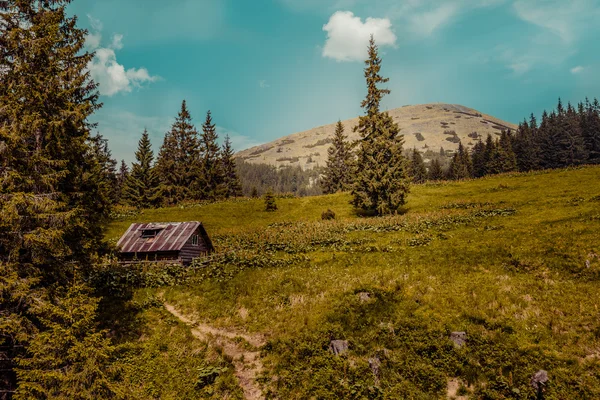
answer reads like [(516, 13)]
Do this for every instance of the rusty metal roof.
[(171, 236)]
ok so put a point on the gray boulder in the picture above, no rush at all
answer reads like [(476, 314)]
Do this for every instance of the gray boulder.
[(539, 380), (338, 347), (459, 338)]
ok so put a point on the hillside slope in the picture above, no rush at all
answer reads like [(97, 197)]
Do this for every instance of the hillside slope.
[(511, 260), (423, 127)]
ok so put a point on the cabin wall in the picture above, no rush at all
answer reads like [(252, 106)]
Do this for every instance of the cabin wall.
[(189, 252), (160, 256)]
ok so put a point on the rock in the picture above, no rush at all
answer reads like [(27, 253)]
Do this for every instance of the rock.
[(539, 380), (375, 364), (338, 347), (364, 296), (459, 338)]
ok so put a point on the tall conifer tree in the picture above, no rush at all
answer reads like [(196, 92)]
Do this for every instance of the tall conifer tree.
[(478, 159), (231, 181), (122, 176), (461, 166), (177, 164), (212, 175), (382, 182), (436, 172), (53, 209), (590, 126), (418, 172), (506, 156), (142, 185), (338, 171), (105, 172)]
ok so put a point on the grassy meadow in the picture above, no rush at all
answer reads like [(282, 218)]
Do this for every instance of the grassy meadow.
[(512, 260)]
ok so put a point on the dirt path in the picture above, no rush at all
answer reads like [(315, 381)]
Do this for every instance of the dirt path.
[(247, 363)]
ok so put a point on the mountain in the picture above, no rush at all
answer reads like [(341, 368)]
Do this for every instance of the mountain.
[(428, 127)]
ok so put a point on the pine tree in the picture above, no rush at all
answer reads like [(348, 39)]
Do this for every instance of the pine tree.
[(478, 159), (562, 139), (270, 204), (382, 182), (231, 181), (590, 127), (461, 166), (418, 172), (338, 172), (53, 208), (572, 143), (525, 148), (105, 172), (122, 176), (435, 173), (142, 186), (491, 157), (177, 164), (212, 174), (507, 160)]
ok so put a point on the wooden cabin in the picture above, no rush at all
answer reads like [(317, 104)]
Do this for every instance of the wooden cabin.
[(169, 242)]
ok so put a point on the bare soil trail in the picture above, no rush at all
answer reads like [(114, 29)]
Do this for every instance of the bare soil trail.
[(247, 363)]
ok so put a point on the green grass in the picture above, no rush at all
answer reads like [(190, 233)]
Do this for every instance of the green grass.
[(513, 260), (163, 360)]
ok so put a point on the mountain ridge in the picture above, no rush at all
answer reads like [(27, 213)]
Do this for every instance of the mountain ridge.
[(427, 127)]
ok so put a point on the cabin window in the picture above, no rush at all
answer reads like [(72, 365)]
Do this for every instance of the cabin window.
[(195, 240), (149, 233)]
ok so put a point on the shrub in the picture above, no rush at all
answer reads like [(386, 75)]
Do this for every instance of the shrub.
[(327, 215), (270, 204), (419, 136)]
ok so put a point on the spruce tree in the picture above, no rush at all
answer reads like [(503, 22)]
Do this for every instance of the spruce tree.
[(435, 173), (53, 208), (212, 174), (506, 156), (338, 171), (142, 185), (231, 181), (105, 172), (590, 127), (461, 166), (177, 163), (491, 157), (122, 176), (270, 204), (418, 172), (572, 143), (382, 182), (478, 159), (545, 139), (525, 148)]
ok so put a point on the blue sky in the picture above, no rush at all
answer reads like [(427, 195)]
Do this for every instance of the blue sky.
[(269, 68)]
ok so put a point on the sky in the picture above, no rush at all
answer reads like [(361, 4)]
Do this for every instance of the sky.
[(269, 68)]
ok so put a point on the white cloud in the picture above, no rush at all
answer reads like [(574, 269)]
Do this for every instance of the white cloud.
[(263, 84), (117, 41), (566, 19), (577, 70), (104, 68), (427, 22), (96, 23), (92, 41), (348, 36), (112, 76)]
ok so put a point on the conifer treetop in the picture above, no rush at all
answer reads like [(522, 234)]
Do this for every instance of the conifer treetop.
[(372, 74)]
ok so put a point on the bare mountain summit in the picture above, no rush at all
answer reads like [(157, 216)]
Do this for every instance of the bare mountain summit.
[(427, 127)]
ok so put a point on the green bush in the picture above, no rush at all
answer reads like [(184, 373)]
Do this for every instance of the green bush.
[(327, 215)]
